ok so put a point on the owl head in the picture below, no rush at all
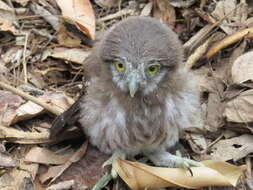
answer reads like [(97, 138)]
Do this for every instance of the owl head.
[(140, 54)]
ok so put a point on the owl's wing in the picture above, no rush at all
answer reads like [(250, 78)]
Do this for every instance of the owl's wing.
[(66, 120)]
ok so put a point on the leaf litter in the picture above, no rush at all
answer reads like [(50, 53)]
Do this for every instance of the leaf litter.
[(43, 45)]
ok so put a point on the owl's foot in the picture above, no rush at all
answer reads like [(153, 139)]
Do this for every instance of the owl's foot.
[(164, 158), (112, 174)]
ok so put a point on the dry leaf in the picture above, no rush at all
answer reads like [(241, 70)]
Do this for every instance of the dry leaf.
[(62, 185), (27, 111), (182, 3), (22, 2), (18, 136), (6, 25), (53, 20), (147, 9), (45, 156), (80, 13), (20, 175), (239, 109), (6, 160), (242, 69), (164, 11), (11, 110), (228, 149), (9, 103), (141, 176), (224, 8), (87, 171), (76, 55), (107, 3)]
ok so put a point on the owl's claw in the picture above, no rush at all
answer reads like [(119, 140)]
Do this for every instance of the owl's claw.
[(166, 159)]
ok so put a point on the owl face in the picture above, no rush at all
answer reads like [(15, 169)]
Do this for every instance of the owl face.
[(140, 60), (142, 77)]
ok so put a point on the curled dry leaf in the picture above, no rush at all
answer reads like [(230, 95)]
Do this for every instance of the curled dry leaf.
[(76, 55), (164, 11), (239, 14), (45, 156), (242, 69), (239, 109), (55, 171), (228, 149), (11, 110), (80, 13), (9, 103), (214, 173)]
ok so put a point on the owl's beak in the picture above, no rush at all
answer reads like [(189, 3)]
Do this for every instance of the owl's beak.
[(133, 83)]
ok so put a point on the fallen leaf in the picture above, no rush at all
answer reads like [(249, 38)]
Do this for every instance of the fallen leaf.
[(59, 170), (62, 185), (182, 3), (45, 156), (67, 39), (239, 15), (163, 10), (6, 25), (79, 12), (26, 137), (213, 173), (76, 55), (147, 9), (22, 2), (239, 109), (107, 3), (87, 171), (27, 111), (242, 69), (228, 149), (21, 175), (6, 160), (9, 103)]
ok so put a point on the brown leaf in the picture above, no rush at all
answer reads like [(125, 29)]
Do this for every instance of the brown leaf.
[(76, 55), (242, 69), (79, 12), (6, 160), (45, 156), (229, 148), (87, 171), (9, 104), (164, 11), (239, 109), (214, 173), (224, 8), (56, 172)]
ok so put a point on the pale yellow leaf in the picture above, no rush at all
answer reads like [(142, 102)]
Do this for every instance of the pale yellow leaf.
[(79, 12), (141, 176)]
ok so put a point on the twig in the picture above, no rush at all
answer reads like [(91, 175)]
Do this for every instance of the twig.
[(24, 57), (120, 13), (38, 101), (192, 45), (248, 32)]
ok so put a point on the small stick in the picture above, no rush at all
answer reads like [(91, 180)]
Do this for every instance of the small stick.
[(248, 32), (24, 56), (38, 101), (116, 15)]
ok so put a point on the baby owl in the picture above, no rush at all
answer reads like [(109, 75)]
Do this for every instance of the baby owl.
[(140, 95)]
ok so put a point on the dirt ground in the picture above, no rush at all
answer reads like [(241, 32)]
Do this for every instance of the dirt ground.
[(43, 45)]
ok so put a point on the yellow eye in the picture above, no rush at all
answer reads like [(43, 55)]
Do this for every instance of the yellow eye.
[(153, 69), (119, 66)]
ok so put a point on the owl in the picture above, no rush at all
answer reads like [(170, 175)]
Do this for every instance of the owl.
[(140, 95)]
